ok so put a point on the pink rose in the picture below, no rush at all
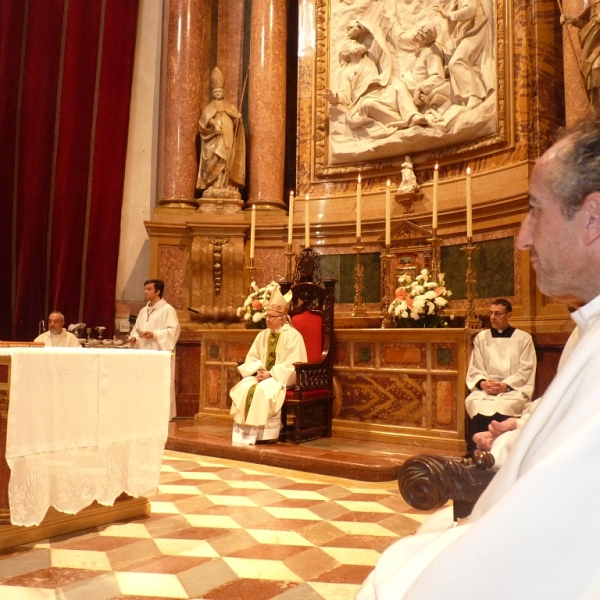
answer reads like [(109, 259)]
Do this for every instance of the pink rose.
[(439, 291), (256, 304), (401, 294)]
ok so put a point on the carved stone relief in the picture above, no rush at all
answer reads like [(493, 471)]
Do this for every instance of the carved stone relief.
[(406, 76)]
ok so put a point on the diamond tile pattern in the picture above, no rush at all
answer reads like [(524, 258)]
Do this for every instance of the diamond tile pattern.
[(221, 529)]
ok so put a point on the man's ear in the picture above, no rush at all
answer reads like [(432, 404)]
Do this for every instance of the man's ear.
[(591, 208)]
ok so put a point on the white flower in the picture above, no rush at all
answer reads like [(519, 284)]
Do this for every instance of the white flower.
[(441, 301), (254, 286), (415, 316), (404, 315), (247, 316), (239, 312), (257, 316), (425, 273), (419, 289), (431, 307), (429, 295)]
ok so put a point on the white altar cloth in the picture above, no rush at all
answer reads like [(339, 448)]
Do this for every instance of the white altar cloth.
[(84, 425)]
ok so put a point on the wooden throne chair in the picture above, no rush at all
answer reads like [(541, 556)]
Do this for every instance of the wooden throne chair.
[(307, 410)]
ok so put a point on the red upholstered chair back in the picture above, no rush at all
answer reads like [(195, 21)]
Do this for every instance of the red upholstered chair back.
[(310, 326)]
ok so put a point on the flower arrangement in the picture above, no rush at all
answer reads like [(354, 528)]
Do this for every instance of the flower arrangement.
[(254, 310), (420, 303)]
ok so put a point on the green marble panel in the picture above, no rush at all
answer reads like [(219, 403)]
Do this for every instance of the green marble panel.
[(493, 263), (342, 267)]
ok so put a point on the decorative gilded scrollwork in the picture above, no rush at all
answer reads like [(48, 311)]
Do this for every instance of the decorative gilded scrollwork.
[(217, 244)]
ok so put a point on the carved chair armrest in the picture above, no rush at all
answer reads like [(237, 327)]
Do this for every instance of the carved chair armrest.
[(313, 376), (428, 482)]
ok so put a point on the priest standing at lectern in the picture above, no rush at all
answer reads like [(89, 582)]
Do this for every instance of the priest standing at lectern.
[(157, 327), (267, 371)]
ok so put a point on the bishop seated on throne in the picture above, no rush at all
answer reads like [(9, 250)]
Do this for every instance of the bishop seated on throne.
[(267, 371)]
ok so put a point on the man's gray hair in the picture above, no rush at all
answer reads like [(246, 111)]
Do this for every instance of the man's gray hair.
[(56, 312), (579, 172)]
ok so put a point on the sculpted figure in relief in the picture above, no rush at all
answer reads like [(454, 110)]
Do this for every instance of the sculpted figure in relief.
[(409, 74), (222, 169), (408, 184), (588, 23)]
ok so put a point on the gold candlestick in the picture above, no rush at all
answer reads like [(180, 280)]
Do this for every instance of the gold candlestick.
[(434, 240), (251, 268), (288, 254), (358, 311), (471, 321), (388, 288)]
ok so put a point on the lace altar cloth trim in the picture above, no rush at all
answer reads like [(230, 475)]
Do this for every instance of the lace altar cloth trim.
[(71, 479)]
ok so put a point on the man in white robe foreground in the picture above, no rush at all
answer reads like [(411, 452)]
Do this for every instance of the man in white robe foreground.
[(267, 371), (501, 372), (535, 532), (57, 336), (157, 328)]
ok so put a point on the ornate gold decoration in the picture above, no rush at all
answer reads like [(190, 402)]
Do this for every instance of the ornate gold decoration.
[(388, 287), (358, 310), (472, 321), (217, 244)]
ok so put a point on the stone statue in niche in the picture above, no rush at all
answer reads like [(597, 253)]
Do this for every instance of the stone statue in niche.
[(222, 169), (408, 75), (408, 184), (588, 23)]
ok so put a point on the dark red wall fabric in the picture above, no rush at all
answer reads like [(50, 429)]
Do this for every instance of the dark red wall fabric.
[(65, 73)]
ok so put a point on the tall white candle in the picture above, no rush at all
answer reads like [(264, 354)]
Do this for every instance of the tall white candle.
[(358, 208), (291, 218), (469, 205), (252, 230), (436, 181), (388, 214), (306, 224)]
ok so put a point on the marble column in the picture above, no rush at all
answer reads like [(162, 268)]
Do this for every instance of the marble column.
[(266, 103), (184, 79)]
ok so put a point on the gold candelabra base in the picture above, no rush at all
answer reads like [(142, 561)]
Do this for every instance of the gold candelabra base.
[(471, 320), (358, 310), (288, 257), (387, 321), (434, 240)]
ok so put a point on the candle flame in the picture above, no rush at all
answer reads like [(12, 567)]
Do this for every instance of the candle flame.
[(307, 197), (388, 183), (468, 170), (436, 166), (254, 207), (359, 178), (291, 192)]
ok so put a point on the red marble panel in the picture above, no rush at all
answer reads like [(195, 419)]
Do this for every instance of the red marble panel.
[(213, 386), (235, 351), (405, 354), (364, 354), (444, 404), (341, 354), (382, 398), (444, 356), (3, 373), (171, 268), (187, 369)]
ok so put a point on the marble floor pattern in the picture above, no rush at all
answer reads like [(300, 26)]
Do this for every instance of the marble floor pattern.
[(222, 530)]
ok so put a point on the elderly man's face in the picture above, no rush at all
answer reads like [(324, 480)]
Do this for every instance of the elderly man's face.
[(275, 320), (550, 237), (55, 323)]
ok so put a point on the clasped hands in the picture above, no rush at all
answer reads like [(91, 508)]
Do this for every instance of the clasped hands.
[(485, 439), (493, 388), (262, 374)]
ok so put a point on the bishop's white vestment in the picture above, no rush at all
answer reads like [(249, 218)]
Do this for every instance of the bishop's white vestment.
[(161, 319), (64, 339), (509, 360), (256, 406), (535, 531)]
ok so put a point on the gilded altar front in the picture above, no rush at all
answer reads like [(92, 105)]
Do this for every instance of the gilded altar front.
[(398, 386)]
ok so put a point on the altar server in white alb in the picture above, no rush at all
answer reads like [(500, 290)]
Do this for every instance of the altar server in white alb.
[(57, 336), (501, 373), (535, 531), (157, 327), (267, 371)]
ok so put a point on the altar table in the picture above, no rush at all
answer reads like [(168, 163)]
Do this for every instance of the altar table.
[(83, 426)]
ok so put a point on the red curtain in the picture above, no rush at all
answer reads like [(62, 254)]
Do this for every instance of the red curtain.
[(66, 68)]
